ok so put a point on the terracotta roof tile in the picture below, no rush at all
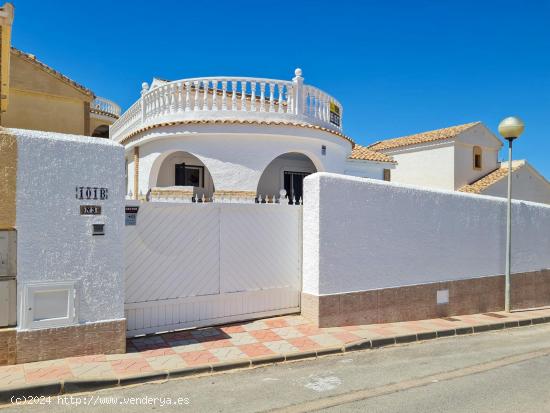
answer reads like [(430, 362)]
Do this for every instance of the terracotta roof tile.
[(491, 178), (430, 136), (366, 154), (32, 58)]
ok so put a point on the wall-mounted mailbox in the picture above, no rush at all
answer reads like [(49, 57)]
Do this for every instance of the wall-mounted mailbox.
[(8, 272), (98, 229), (8, 253)]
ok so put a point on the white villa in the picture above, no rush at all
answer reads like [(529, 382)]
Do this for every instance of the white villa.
[(239, 137), (256, 139)]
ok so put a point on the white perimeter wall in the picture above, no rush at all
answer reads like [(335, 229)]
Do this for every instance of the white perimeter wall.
[(55, 242), (362, 234)]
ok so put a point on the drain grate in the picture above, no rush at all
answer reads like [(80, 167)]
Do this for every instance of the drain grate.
[(494, 315)]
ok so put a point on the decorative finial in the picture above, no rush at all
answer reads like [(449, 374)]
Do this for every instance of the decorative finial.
[(144, 87), (298, 72)]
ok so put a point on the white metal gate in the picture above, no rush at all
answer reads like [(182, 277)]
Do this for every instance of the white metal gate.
[(190, 265)]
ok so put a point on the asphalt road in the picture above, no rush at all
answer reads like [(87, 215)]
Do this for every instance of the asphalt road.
[(497, 372)]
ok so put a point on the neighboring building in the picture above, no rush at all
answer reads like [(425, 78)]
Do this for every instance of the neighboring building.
[(461, 158), (527, 183), (36, 96), (238, 137)]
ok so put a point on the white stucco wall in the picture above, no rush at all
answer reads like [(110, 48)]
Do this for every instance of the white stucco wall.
[(362, 234), (367, 169), (431, 166), (526, 185), (237, 155), (55, 242)]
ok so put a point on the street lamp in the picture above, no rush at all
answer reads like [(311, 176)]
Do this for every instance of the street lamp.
[(510, 128)]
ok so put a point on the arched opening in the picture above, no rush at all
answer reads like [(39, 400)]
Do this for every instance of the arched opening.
[(285, 172), (102, 131), (183, 171)]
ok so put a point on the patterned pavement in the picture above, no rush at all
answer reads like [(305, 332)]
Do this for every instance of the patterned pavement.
[(241, 341)]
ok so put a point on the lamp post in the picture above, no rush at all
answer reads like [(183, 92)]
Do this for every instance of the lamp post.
[(510, 128)]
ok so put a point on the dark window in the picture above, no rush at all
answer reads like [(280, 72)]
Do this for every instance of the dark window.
[(294, 185), (478, 161), (187, 175)]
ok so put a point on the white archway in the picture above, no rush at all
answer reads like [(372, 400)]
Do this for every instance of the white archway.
[(178, 168), (287, 172)]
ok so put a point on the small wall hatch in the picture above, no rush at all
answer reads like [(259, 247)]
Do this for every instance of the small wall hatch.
[(98, 229)]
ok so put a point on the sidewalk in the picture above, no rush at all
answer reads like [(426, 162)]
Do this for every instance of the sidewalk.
[(240, 345)]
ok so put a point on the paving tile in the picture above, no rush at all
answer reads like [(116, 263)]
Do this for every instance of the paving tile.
[(190, 347), (44, 364), (86, 359), (296, 320), (309, 329), (238, 339), (167, 362), (346, 337), (194, 358), (276, 322), (287, 332), (208, 345), (12, 375), (165, 351), (233, 329), (280, 347), (92, 370), (228, 353), (131, 366), (183, 342), (206, 332), (256, 350), (127, 356), (48, 374), (304, 343), (326, 340), (255, 325), (264, 335)]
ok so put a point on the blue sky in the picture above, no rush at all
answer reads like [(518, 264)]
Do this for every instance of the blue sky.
[(398, 67)]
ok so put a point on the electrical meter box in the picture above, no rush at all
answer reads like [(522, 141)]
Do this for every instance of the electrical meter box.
[(8, 272)]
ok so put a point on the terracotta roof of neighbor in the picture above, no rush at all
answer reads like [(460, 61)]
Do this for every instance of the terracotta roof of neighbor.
[(366, 154), (32, 58), (491, 178), (423, 137)]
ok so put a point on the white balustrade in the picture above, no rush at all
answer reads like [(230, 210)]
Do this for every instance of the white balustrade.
[(232, 98), (105, 105)]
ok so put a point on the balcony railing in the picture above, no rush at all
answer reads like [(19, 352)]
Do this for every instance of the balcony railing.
[(232, 98), (105, 107)]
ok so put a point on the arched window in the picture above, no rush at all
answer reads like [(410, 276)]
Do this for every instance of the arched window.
[(478, 160)]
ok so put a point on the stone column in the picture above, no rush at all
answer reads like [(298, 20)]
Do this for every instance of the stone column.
[(136, 172)]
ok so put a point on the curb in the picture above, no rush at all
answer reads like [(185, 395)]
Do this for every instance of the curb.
[(76, 385)]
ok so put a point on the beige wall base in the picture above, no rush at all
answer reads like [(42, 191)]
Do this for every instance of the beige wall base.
[(7, 346), (470, 296), (37, 345)]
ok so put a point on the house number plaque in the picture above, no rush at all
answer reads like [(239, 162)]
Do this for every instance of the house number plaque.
[(90, 210)]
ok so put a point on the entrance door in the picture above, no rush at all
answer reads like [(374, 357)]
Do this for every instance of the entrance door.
[(294, 185)]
